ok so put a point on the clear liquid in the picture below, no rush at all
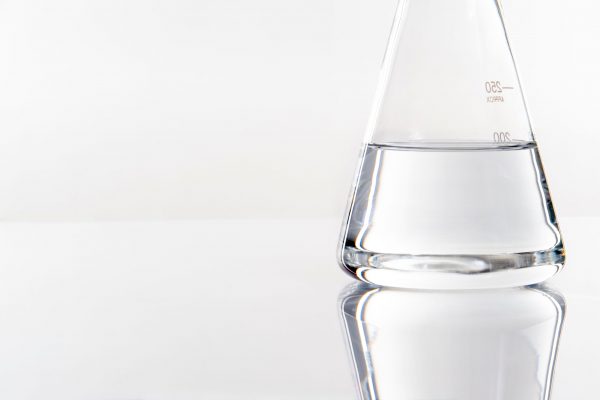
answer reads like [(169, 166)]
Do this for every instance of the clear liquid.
[(457, 215)]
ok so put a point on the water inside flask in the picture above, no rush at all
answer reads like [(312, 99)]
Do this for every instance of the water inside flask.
[(450, 190)]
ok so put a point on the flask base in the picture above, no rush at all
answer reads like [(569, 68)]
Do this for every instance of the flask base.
[(445, 272)]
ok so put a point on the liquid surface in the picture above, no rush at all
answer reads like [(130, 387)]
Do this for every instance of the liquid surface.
[(458, 200)]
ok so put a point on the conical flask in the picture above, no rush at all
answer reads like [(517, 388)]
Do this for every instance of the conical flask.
[(450, 191)]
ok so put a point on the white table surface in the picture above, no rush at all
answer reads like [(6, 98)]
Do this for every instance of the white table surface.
[(217, 309)]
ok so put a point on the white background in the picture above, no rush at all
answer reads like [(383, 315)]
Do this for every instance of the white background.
[(162, 109), (235, 108)]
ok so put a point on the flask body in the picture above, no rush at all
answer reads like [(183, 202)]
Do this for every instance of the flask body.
[(450, 190)]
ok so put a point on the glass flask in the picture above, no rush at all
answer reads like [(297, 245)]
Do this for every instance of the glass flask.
[(450, 191), (470, 345)]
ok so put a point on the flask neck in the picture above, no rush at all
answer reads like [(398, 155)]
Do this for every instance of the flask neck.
[(448, 75)]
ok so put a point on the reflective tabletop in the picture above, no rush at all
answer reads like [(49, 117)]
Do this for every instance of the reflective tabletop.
[(258, 309)]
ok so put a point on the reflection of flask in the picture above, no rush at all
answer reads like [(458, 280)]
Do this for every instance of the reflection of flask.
[(473, 345), (450, 190)]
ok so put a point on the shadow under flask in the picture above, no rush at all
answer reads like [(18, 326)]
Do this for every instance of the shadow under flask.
[(450, 190)]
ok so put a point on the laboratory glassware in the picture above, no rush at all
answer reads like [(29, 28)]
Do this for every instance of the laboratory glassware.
[(450, 191)]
